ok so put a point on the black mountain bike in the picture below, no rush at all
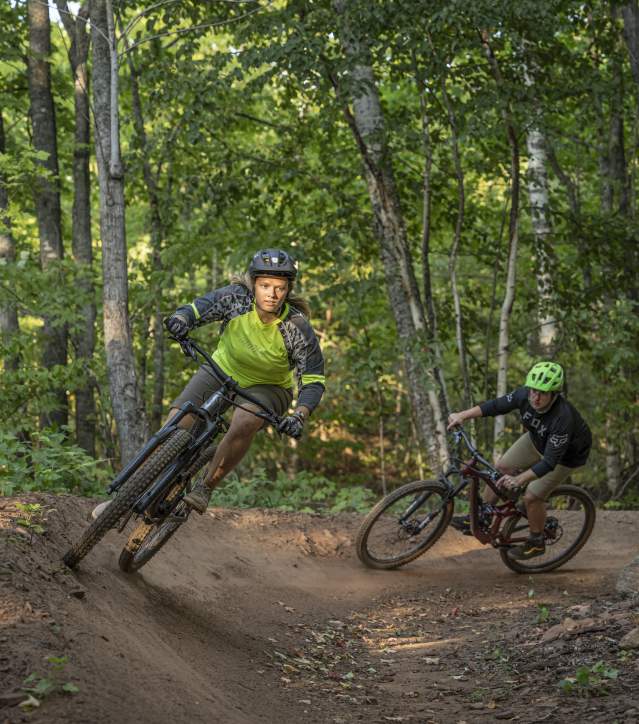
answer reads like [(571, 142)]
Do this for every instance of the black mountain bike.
[(408, 521), (152, 486)]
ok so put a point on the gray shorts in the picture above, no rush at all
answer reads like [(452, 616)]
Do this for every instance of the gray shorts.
[(522, 455), (203, 384)]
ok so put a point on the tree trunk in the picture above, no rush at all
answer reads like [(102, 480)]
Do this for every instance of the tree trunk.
[(615, 198), (9, 325), (542, 230), (47, 192), (125, 399), (157, 235), (429, 301), (513, 238), (84, 339), (630, 14), (454, 250), (539, 195), (367, 125)]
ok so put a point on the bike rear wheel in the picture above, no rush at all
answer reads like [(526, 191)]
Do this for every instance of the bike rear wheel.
[(392, 535), (162, 456), (570, 519), (148, 538)]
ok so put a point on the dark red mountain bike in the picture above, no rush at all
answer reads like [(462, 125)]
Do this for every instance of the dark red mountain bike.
[(408, 521)]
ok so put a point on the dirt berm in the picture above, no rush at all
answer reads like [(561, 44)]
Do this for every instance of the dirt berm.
[(264, 616)]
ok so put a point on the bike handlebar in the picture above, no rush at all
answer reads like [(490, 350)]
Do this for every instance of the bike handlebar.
[(460, 434), (192, 349)]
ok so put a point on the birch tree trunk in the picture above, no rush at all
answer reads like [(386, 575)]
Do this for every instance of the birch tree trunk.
[(125, 399), (542, 230), (84, 339), (513, 239), (47, 192), (367, 126), (9, 325), (539, 196)]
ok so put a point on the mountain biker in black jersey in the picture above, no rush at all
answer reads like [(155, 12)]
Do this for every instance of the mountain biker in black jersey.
[(557, 441), (266, 341)]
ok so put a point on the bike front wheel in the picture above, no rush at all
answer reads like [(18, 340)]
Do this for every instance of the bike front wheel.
[(404, 524), (148, 537), (148, 471), (570, 518)]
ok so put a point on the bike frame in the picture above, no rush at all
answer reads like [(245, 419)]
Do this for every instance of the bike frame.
[(210, 423), (471, 475)]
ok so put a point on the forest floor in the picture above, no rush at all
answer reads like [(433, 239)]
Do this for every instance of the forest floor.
[(264, 616)]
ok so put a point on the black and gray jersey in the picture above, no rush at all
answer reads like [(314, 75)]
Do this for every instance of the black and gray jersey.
[(560, 434), (257, 353)]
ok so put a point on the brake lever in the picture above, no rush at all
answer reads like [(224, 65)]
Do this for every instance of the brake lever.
[(187, 348)]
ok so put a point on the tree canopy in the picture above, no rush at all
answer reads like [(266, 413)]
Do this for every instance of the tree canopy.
[(458, 182)]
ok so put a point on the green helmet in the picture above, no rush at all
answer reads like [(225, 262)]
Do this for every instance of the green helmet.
[(545, 377)]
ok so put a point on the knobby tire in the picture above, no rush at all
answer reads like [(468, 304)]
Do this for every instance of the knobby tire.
[(148, 538), (373, 521), (127, 495), (511, 524)]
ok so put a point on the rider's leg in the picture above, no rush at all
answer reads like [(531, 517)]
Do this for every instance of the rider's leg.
[(232, 448), (519, 456), (536, 512), (538, 491), (535, 500)]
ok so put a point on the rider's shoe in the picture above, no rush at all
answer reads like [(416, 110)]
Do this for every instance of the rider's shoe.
[(533, 547), (199, 497), (99, 509), (462, 524)]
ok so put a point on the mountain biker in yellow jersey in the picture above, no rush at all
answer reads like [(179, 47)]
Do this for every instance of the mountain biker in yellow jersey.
[(557, 441), (266, 341)]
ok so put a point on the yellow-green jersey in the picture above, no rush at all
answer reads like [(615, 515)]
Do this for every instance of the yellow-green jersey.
[(255, 353)]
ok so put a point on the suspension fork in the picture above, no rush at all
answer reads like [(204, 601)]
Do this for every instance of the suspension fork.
[(154, 441), (153, 493), (420, 499)]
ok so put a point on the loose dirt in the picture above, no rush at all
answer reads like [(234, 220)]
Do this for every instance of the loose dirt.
[(262, 616)]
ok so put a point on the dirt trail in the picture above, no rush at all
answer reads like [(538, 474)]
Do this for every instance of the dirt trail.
[(258, 616)]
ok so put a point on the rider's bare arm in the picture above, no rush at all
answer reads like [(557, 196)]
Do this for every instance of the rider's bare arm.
[(457, 418)]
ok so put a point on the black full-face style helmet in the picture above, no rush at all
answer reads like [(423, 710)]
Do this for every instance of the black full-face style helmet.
[(272, 263)]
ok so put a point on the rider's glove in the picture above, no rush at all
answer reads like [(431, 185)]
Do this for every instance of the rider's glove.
[(292, 425), (177, 326)]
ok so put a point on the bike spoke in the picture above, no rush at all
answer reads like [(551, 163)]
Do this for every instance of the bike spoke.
[(406, 526), (568, 524)]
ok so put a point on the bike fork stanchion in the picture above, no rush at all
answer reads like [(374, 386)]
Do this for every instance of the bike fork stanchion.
[(153, 442)]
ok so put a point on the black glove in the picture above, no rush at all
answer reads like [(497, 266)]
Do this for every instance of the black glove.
[(177, 326), (292, 425)]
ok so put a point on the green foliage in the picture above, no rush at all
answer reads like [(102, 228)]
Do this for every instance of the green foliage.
[(589, 680), (249, 144), (543, 613), (39, 687), (47, 462), (630, 501), (32, 516), (305, 492)]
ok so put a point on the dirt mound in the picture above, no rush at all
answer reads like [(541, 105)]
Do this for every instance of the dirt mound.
[(252, 616)]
